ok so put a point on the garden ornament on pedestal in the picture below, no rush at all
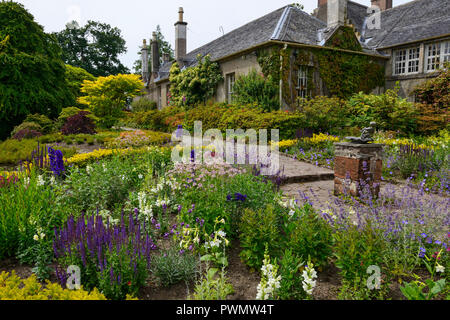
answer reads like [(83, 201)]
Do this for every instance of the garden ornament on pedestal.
[(366, 135)]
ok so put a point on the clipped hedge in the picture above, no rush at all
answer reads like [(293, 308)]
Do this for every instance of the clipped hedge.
[(219, 116)]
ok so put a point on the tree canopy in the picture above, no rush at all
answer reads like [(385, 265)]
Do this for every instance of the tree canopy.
[(75, 77), (32, 73), (95, 47), (107, 96)]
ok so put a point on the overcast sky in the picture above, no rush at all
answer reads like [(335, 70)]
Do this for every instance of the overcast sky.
[(138, 18)]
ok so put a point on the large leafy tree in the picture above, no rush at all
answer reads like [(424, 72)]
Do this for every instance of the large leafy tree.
[(107, 96), (164, 48), (75, 77), (32, 73), (95, 47)]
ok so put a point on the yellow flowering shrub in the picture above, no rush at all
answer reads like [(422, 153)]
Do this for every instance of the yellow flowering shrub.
[(321, 138), (284, 144), (85, 158), (14, 288)]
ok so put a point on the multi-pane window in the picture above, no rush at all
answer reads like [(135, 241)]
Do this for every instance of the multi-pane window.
[(433, 56), (230, 78), (436, 54), (413, 61), (446, 51), (400, 62), (302, 82), (406, 61)]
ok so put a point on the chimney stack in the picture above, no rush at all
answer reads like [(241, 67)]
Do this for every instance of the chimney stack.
[(144, 54), (180, 37), (336, 13), (382, 4), (155, 54)]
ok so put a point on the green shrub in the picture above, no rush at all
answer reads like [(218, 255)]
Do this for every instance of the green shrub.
[(324, 114), (221, 202), (195, 85), (259, 228), (73, 111), (356, 249), (90, 140), (218, 116), (25, 211), (68, 140), (143, 104), (291, 278), (210, 116), (102, 185), (257, 90), (12, 151), (310, 236), (172, 267), (27, 126), (213, 286), (45, 123), (388, 110)]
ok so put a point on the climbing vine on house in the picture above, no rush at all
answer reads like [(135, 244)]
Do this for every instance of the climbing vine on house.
[(344, 38), (195, 85), (342, 73)]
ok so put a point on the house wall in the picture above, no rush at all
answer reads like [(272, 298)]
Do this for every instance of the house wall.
[(407, 83), (240, 65)]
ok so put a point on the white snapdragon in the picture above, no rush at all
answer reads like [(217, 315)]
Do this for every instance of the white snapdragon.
[(40, 180), (144, 208), (440, 268), (270, 281), (309, 276)]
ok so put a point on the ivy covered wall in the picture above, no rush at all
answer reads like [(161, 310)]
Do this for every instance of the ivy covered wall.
[(330, 72)]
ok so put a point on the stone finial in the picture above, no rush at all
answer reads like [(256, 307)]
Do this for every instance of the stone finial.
[(144, 44), (154, 36), (180, 14)]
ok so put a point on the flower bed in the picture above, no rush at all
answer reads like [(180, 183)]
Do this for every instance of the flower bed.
[(131, 221)]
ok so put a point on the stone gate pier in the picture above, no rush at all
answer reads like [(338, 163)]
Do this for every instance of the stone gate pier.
[(356, 165)]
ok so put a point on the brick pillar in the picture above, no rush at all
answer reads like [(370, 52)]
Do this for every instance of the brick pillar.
[(357, 163)]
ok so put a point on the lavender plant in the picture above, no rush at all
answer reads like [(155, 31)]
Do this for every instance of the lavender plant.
[(114, 259)]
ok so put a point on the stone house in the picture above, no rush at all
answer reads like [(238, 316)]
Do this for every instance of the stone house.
[(341, 48)]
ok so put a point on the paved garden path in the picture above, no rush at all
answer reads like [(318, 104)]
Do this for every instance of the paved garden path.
[(295, 171)]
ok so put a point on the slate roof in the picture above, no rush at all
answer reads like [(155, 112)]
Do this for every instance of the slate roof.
[(413, 21), (357, 13), (285, 24)]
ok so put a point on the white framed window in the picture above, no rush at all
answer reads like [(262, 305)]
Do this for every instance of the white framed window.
[(231, 79), (446, 51), (436, 54), (400, 61), (302, 82), (406, 61), (413, 61), (433, 56)]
